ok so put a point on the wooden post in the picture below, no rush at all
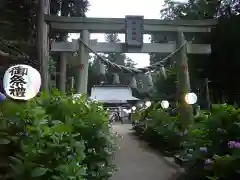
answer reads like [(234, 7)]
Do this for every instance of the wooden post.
[(186, 111), (207, 94), (63, 72), (72, 83), (43, 42)]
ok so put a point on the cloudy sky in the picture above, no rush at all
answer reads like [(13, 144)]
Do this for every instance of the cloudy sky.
[(150, 9)]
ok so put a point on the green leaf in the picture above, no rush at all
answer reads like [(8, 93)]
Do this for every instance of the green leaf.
[(17, 166), (39, 171), (17, 169), (4, 141), (61, 128), (16, 160)]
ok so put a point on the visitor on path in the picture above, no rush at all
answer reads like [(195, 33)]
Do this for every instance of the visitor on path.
[(112, 118)]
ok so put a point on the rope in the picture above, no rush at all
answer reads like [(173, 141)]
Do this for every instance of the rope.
[(134, 70), (5, 45), (13, 52)]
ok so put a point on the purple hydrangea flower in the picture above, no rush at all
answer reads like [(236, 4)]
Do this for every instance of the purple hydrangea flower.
[(203, 149), (234, 144), (208, 161)]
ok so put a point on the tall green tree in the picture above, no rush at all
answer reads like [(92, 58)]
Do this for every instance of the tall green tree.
[(118, 58), (223, 64), (165, 88)]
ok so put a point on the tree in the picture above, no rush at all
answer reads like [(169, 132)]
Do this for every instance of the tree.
[(129, 62), (114, 57), (118, 58), (18, 21), (223, 63), (165, 88)]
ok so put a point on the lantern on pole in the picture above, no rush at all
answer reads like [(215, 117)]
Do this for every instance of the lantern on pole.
[(165, 104), (134, 108), (190, 98), (148, 104)]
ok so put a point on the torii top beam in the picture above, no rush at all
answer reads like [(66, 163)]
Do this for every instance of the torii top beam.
[(117, 25)]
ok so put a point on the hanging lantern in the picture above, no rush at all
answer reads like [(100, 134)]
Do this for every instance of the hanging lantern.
[(102, 68), (21, 82), (116, 78), (133, 83), (150, 80), (163, 71)]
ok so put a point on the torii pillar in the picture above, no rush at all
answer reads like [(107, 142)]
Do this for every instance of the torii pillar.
[(186, 111), (82, 81), (63, 70), (43, 42)]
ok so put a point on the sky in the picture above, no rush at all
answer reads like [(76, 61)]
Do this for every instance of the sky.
[(150, 9)]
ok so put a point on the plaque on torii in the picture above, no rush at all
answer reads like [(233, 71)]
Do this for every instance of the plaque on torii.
[(134, 31)]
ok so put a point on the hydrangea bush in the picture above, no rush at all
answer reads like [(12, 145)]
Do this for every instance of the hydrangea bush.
[(56, 138), (211, 146)]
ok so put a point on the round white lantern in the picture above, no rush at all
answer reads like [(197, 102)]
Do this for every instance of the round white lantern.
[(22, 82), (165, 104), (148, 103), (134, 108), (191, 98)]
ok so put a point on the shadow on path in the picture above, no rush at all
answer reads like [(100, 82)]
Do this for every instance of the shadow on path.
[(135, 160)]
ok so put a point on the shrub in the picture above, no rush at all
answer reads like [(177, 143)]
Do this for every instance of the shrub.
[(213, 145), (58, 138), (162, 130)]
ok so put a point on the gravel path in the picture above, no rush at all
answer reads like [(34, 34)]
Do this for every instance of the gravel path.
[(136, 161)]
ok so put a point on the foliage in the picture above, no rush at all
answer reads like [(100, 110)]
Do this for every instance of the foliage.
[(162, 130), (22, 15), (224, 40), (212, 145), (165, 88), (209, 148), (57, 138)]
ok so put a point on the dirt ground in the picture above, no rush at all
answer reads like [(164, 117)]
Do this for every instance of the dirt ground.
[(135, 160)]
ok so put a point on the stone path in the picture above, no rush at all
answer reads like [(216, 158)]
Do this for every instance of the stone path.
[(136, 161)]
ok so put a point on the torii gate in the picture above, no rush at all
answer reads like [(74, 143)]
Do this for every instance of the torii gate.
[(173, 34), (134, 27)]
